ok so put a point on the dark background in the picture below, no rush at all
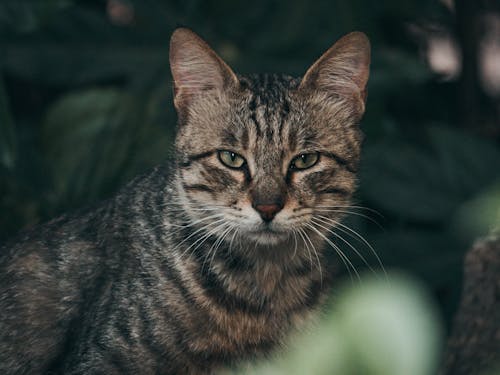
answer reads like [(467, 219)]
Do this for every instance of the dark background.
[(86, 104)]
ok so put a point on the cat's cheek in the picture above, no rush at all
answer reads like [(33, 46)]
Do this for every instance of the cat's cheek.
[(239, 176), (238, 203), (300, 178), (300, 194)]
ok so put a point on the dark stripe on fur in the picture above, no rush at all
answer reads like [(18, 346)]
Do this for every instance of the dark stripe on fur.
[(341, 161), (285, 110), (190, 158), (217, 292), (219, 178), (335, 190), (229, 137), (252, 106), (198, 187)]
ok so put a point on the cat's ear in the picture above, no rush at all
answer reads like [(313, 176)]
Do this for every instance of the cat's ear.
[(195, 67), (343, 69)]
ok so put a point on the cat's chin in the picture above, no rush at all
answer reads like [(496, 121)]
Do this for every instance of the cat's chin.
[(267, 237)]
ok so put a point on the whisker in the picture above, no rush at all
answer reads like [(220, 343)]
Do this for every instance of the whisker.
[(301, 234), (346, 242), (202, 239), (195, 232), (176, 227), (236, 230), (296, 244), (223, 237), (355, 207), (317, 257), (353, 234), (197, 221), (340, 253), (215, 246), (351, 213)]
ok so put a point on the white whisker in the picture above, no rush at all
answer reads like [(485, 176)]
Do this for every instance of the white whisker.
[(353, 234), (339, 252), (296, 244), (301, 234), (215, 246), (345, 241), (317, 257), (198, 231), (354, 207), (334, 210)]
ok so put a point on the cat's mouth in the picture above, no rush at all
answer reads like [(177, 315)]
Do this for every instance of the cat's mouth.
[(267, 235)]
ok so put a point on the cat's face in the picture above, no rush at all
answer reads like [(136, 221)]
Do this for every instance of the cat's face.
[(267, 157)]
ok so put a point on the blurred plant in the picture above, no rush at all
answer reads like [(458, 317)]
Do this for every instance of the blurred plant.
[(103, 146), (479, 215), (436, 196), (7, 132)]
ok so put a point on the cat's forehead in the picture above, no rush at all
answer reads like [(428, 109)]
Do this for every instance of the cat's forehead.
[(267, 106), (268, 89)]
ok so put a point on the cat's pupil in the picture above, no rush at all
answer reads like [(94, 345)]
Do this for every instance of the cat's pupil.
[(233, 156)]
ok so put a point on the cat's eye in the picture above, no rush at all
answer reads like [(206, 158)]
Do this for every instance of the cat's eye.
[(304, 161), (231, 159)]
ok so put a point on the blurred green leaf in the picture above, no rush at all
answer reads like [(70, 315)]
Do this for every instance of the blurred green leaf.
[(392, 327), (393, 68), (27, 16), (468, 163), (17, 16), (55, 63), (7, 131), (92, 140), (75, 134), (405, 181), (80, 46), (480, 215), (428, 185), (425, 252)]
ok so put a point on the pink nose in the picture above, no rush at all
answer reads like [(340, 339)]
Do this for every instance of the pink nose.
[(267, 211)]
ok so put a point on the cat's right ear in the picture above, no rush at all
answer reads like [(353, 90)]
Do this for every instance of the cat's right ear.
[(195, 68), (343, 69)]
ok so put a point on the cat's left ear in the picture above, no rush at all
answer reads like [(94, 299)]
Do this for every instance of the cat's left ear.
[(196, 68), (343, 69)]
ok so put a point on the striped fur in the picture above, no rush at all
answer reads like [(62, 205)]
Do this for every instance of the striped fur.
[(178, 273)]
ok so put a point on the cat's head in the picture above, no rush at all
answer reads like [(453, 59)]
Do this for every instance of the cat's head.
[(268, 157)]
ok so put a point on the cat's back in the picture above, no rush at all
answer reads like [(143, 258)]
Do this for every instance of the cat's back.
[(44, 273), (52, 274)]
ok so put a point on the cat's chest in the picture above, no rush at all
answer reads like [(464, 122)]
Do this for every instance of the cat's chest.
[(242, 334), (263, 313)]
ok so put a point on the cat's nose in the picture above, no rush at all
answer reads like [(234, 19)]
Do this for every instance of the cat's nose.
[(268, 211)]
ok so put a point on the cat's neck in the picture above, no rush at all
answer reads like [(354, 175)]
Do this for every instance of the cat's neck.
[(277, 276)]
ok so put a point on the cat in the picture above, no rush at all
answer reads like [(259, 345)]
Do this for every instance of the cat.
[(207, 260)]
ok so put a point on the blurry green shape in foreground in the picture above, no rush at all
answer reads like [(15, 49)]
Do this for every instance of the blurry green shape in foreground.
[(378, 328), (480, 215)]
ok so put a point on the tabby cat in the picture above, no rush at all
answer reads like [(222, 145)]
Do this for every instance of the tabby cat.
[(207, 260)]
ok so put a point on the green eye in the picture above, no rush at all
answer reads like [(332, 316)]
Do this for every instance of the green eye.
[(304, 161), (231, 159)]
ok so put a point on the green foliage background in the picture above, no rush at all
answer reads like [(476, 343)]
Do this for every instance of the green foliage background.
[(85, 104)]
